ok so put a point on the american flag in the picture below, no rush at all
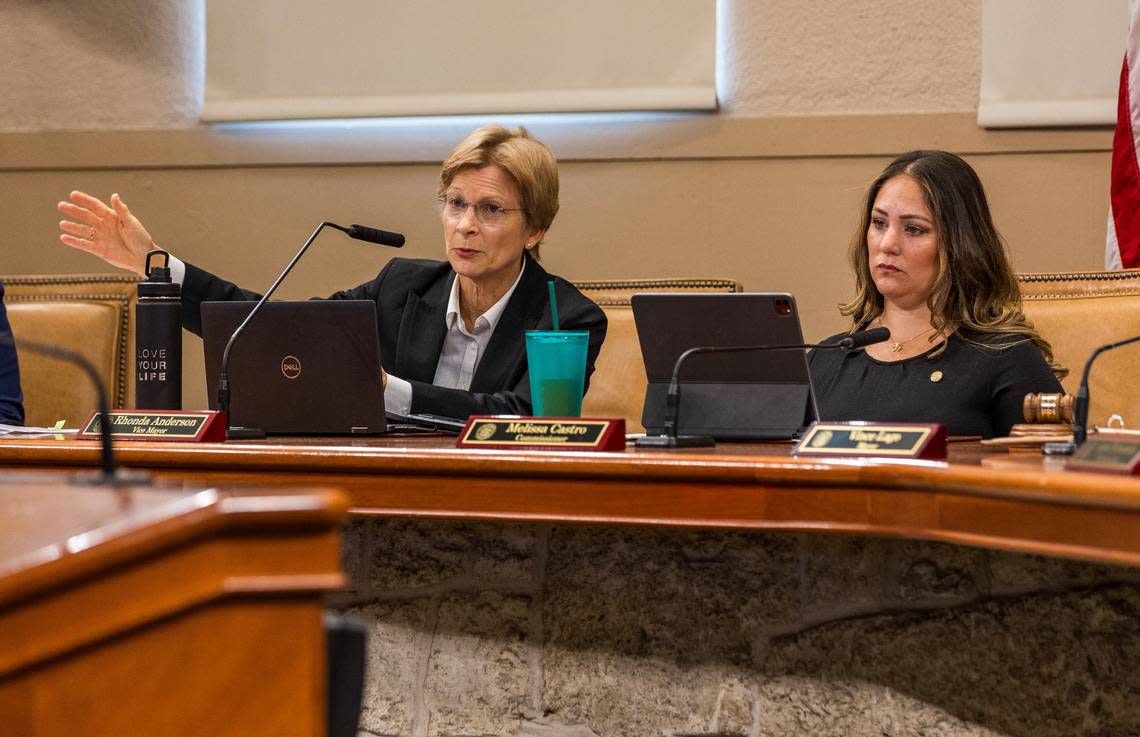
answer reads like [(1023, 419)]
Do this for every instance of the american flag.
[(1122, 249)]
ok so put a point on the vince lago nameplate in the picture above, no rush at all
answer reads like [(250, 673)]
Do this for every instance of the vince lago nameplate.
[(204, 427), (543, 433), (895, 440)]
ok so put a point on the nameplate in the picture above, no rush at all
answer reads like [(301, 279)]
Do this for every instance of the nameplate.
[(543, 433), (182, 426), (893, 440), (1102, 455)]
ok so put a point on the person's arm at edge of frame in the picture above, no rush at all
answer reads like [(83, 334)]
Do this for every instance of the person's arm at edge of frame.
[(11, 398)]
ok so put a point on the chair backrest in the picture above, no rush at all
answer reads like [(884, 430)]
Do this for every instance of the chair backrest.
[(92, 315), (617, 388), (1078, 311)]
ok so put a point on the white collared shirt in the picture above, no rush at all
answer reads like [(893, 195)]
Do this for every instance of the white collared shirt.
[(462, 350)]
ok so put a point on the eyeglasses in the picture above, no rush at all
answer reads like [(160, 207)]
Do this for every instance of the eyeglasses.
[(488, 213)]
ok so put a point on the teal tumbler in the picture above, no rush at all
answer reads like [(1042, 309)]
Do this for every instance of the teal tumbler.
[(556, 360)]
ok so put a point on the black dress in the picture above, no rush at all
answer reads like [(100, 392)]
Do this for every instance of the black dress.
[(972, 389)]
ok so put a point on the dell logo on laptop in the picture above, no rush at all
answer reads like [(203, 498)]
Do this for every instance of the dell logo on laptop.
[(291, 367)]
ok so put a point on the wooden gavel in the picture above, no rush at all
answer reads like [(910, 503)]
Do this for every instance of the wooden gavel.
[(1048, 408)]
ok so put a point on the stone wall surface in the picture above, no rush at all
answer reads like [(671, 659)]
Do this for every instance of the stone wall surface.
[(562, 631)]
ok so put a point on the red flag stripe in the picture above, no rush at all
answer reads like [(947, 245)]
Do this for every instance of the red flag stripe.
[(1125, 179)]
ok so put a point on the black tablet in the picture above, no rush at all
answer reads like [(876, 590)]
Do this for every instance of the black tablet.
[(759, 395)]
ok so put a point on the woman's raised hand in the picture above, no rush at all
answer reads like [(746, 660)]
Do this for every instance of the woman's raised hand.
[(110, 232)]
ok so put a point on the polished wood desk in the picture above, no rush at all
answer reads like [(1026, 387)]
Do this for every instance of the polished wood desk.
[(990, 498), (163, 611), (1020, 502)]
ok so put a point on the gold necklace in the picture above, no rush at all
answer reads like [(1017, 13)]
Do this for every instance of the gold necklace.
[(897, 346)]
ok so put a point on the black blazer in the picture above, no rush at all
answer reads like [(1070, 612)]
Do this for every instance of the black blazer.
[(411, 306)]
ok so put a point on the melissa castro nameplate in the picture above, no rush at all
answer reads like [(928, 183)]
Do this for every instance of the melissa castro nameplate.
[(543, 433)]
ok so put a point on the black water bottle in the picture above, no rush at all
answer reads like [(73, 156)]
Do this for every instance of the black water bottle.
[(158, 338)]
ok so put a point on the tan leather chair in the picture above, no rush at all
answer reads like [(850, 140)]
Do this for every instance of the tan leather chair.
[(1078, 311), (617, 388), (92, 315)]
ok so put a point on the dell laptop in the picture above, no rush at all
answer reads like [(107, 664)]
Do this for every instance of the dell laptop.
[(298, 368)]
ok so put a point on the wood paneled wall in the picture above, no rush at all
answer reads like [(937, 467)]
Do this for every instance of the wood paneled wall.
[(768, 201)]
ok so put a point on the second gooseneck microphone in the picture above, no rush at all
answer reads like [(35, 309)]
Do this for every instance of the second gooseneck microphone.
[(360, 233), (110, 473), (669, 437), (1081, 406)]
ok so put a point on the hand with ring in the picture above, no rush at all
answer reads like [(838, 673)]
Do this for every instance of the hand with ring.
[(110, 232)]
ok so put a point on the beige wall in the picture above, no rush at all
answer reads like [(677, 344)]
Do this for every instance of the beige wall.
[(823, 57), (139, 63), (818, 96), (115, 64)]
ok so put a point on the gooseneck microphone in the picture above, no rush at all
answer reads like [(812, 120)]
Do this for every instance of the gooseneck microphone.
[(861, 339), (1081, 405), (670, 439), (108, 472), (372, 235), (360, 233)]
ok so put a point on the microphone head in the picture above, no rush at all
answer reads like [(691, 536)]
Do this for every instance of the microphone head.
[(865, 338), (375, 235)]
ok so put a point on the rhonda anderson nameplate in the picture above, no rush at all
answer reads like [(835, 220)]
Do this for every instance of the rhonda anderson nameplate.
[(543, 433), (180, 425), (882, 440)]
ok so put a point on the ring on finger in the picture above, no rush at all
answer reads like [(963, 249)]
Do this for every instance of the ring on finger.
[(91, 236)]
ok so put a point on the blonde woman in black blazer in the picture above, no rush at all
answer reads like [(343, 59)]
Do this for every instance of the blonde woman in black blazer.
[(451, 332)]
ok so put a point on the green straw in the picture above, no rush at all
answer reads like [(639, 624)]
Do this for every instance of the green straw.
[(553, 304)]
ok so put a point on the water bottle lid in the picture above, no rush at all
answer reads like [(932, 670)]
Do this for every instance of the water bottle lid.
[(160, 274), (158, 282)]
